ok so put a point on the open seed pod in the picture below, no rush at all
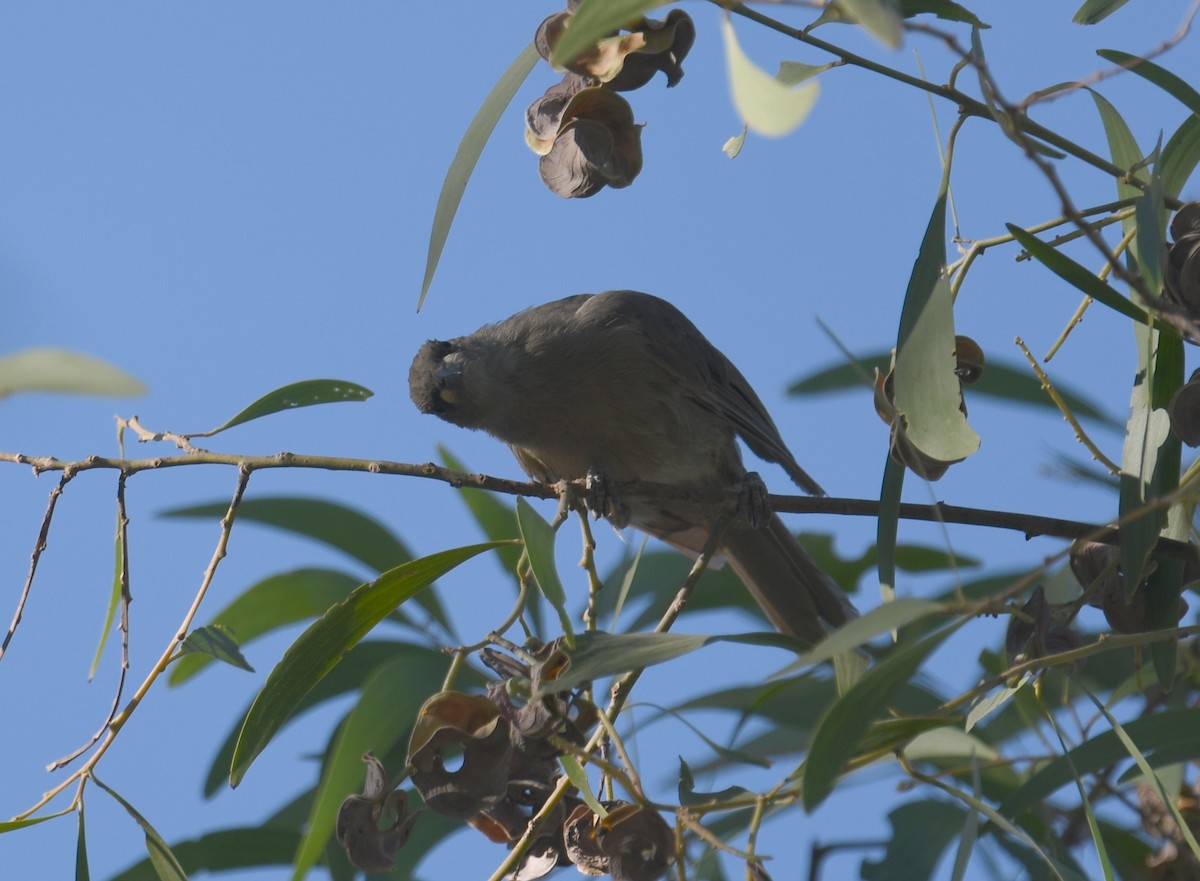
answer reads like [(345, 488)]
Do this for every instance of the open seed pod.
[(451, 724), (370, 846), (1182, 270), (597, 145), (1184, 411), (631, 844), (1097, 568), (626, 61)]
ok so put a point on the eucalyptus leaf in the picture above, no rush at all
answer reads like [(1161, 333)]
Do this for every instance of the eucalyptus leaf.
[(64, 372), (217, 642), (539, 545), (1095, 11), (467, 155), (319, 649), (768, 106), (307, 393), (594, 19)]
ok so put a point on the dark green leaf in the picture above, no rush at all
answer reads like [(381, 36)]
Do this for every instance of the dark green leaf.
[(298, 394), (469, 150), (347, 529), (215, 641), (921, 832), (840, 734), (1093, 11), (888, 527), (1076, 275), (81, 861), (943, 9), (1173, 85), (593, 20), (270, 604), (224, 850), (497, 519), (1180, 156), (326, 641), (884, 618), (1009, 382), (63, 372), (539, 545), (1171, 729)]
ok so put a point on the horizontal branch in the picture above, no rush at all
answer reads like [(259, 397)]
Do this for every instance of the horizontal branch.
[(1031, 525)]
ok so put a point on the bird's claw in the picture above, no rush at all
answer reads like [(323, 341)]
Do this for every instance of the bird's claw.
[(754, 501), (603, 499)]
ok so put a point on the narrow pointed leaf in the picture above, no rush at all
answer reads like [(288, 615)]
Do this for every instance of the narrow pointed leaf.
[(539, 545), (886, 618), (326, 641), (114, 598), (879, 17), (298, 394), (161, 857), (64, 372), (579, 778), (1095, 11), (1077, 275), (82, 873), (469, 150)]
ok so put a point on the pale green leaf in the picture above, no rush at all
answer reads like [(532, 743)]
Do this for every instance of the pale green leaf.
[(593, 20), (767, 106), (539, 545), (64, 372), (880, 17), (161, 857), (882, 619), (579, 779)]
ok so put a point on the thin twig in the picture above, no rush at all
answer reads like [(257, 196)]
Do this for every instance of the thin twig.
[(39, 546)]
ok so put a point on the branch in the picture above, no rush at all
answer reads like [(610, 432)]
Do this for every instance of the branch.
[(1031, 525)]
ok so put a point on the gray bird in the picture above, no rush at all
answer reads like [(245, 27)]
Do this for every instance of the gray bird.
[(622, 386)]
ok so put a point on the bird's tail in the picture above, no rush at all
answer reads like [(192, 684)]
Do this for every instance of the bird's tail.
[(797, 597)]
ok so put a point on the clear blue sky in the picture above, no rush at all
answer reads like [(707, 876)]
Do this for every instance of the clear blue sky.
[(224, 198)]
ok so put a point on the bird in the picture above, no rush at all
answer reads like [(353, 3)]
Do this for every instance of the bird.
[(621, 387)]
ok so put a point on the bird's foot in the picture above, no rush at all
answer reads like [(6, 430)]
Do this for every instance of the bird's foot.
[(754, 501), (603, 499)]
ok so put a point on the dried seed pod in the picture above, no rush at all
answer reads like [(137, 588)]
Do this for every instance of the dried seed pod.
[(1096, 567), (970, 359), (450, 722), (1186, 221), (543, 117), (598, 144), (1034, 617), (665, 51), (369, 847)]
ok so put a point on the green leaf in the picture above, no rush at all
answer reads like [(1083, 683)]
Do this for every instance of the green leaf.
[(888, 526), (467, 154), (886, 618), (1121, 144), (928, 390), (385, 712), (114, 598), (1094, 11), (326, 641), (290, 397), (594, 19), (879, 17), (216, 641), (13, 825), (348, 676), (768, 106), (578, 777), (161, 857), (598, 655), (539, 545), (943, 9), (64, 372), (1173, 85), (1166, 730), (81, 861), (921, 832), (1180, 156), (840, 733), (1076, 275), (274, 602), (1002, 380), (225, 849), (346, 529)]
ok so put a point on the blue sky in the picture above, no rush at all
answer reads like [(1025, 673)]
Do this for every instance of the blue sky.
[(225, 198)]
